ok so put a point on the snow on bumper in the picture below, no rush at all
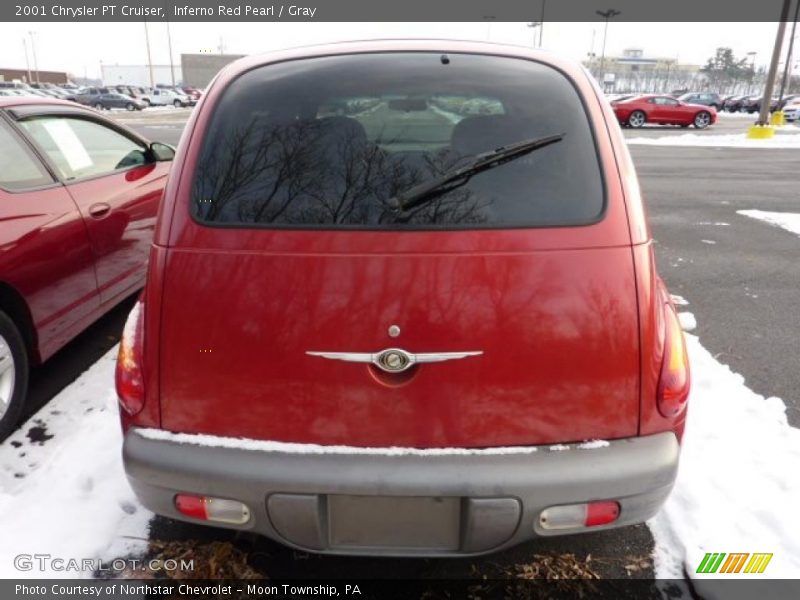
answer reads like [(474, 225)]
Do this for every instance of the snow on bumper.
[(395, 501)]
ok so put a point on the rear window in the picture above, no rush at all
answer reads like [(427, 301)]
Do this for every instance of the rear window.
[(332, 142)]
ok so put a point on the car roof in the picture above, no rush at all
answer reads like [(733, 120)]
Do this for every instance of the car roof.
[(9, 101), (235, 68)]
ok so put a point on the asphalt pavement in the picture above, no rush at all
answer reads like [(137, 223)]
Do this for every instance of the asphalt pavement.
[(743, 289)]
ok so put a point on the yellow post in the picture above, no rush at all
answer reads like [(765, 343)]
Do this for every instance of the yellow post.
[(777, 119), (760, 132)]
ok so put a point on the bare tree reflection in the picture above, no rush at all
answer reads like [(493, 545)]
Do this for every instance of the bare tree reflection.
[(320, 172)]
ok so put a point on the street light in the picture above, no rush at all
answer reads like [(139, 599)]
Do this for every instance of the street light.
[(149, 59), (27, 61), (607, 15), (541, 24), (763, 115), (33, 50), (171, 63), (752, 71), (533, 26), (789, 54)]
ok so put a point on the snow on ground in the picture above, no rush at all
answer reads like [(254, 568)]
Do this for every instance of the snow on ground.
[(738, 486), (687, 321), (724, 115), (787, 139), (67, 496), (679, 300), (789, 221)]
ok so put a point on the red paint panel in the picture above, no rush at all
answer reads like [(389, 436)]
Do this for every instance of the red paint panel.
[(558, 331)]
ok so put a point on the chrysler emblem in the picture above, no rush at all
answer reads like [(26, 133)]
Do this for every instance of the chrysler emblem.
[(394, 360)]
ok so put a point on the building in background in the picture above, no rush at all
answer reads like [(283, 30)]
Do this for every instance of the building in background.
[(635, 72), (55, 77), (200, 69), (140, 75)]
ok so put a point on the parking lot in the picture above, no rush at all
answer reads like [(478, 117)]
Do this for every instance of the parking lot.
[(738, 274)]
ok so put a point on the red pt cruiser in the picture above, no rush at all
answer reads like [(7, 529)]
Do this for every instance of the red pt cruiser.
[(402, 300)]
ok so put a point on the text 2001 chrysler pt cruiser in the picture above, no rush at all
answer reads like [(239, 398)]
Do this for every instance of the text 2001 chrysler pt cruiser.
[(402, 300)]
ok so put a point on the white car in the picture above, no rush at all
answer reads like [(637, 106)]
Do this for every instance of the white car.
[(791, 112), (163, 97)]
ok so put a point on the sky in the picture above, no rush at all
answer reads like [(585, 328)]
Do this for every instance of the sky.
[(79, 48)]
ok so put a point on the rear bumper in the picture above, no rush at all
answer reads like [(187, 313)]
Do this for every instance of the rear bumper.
[(359, 501)]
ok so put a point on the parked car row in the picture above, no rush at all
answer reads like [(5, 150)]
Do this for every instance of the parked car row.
[(749, 103), (129, 97), (132, 97)]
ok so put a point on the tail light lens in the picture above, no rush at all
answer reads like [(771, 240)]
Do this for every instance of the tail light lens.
[(579, 516), (673, 385), (207, 508), (129, 375)]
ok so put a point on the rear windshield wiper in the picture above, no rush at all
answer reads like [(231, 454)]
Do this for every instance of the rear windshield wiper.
[(454, 178)]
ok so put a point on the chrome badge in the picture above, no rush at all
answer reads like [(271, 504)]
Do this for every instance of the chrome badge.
[(394, 360)]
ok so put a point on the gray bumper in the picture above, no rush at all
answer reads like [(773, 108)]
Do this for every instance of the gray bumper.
[(410, 504)]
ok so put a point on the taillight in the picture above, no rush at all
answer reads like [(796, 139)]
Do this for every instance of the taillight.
[(129, 375), (579, 516), (673, 384), (207, 508)]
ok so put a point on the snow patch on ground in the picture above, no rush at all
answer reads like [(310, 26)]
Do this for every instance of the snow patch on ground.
[(738, 486), (679, 300), (788, 139), (67, 495), (789, 221), (687, 321), (724, 115)]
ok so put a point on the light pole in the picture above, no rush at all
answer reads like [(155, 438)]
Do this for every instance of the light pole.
[(789, 53), (763, 115), (606, 14), (171, 64), (33, 50), (27, 61), (149, 59), (752, 71), (541, 24), (533, 26), (666, 83)]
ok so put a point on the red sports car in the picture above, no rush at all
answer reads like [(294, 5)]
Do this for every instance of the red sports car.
[(663, 110), (78, 201)]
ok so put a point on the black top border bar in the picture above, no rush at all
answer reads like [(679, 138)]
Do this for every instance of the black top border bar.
[(389, 10)]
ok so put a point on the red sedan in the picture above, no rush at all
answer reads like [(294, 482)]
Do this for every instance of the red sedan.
[(663, 110), (78, 201)]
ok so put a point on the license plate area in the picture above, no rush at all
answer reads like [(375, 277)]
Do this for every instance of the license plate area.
[(394, 522)]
